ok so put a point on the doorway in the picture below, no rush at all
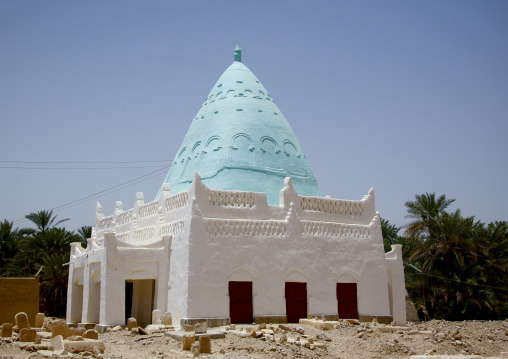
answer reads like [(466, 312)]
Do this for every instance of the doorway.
[(296, 301), (240, 302), (347, 300), (139, 295)]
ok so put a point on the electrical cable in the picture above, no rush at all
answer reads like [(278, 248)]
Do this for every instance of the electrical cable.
[(89, 162), (454, 280), (73, 168), (106, 191)]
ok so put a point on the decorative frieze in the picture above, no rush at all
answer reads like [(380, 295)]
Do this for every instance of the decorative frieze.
[(231, 199), (148, 209), (176, 201), (335, 206), (125, 217), (173, 229), (143, 235), (224, 227), (328, 229), (104, 223)]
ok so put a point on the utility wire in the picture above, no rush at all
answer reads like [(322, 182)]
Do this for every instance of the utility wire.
[(61, 162), (454, 280), (106, 191), (16, 163), (74, 168)]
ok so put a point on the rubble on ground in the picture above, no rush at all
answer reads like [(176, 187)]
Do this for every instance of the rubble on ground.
[(346, 339)]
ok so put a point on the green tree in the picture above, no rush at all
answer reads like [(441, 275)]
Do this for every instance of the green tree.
[(9, 240), (43, 220), (423, 213), (84, 233)]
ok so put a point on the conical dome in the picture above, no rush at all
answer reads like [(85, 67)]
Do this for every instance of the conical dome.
[(239, 140)]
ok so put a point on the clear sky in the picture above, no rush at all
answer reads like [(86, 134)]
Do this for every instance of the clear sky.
[(407, 97)]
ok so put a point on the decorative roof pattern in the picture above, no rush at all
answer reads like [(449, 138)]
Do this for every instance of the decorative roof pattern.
[(239, 140)]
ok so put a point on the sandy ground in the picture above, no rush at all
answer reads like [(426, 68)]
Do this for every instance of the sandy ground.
[(344, 341)]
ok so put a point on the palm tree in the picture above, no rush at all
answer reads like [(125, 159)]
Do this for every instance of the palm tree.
[(449, 256), (423, 213), (84, 233), (9, 241), (390, 234), (494, 262), (43, 221), (53, 282)]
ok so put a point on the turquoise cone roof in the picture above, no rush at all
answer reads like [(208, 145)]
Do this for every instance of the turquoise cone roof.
[(239, 140)]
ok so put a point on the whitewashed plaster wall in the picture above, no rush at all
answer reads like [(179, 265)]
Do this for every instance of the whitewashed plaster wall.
[(222, 250), (219, 236), (396, 283)]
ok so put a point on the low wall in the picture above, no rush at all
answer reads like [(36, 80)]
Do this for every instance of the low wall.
[(18, 295)]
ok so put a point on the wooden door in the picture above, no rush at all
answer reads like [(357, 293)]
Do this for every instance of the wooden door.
[(296, 301), (240, 302), (347, 301)]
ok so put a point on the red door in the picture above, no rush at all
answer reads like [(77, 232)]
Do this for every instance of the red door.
[(240, 302), (296, 301), (347, 300)]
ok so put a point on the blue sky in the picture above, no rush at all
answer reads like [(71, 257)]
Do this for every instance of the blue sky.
[(404, 96)]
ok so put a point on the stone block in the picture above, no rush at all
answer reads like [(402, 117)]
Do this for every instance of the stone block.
[(200, 327), (6, 330), (22, 321), (167, 319), (156, 316), (91, 334), (75, 338), (78, 331), (61, 328), (195, 349), (84, 346), (39, 320), (86, 326), (132, 323), (27, 335), (318, 324), (205, 344), (189, 328), (187, 341), (57, 343)]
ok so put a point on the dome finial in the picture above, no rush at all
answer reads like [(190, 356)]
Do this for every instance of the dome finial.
[(238, 53)]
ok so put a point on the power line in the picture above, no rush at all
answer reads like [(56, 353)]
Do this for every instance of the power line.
[(89, 162), (73, 168), (453, 280), (106, 191)]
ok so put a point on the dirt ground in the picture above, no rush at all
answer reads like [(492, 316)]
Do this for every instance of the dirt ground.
[(345, 341)]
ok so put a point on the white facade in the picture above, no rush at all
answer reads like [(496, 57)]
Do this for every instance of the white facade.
[(178, 254)]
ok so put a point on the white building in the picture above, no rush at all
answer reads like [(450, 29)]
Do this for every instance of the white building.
[(239, 232)]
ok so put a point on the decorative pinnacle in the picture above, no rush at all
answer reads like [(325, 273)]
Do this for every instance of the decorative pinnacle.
[(238, 53)]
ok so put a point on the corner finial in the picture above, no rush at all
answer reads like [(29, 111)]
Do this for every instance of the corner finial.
[(238, 53)]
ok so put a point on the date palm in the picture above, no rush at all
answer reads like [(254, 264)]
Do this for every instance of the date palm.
[(43, 221), (423, 213)]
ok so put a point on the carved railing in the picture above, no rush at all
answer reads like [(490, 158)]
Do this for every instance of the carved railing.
[(173, 229), (224, 227), (125, 217), (176, 201), (231, 199), (148, 209), (105, 223), (327, 229), (335, 206)]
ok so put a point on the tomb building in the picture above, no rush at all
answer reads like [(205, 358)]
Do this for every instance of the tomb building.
[(238, 233)]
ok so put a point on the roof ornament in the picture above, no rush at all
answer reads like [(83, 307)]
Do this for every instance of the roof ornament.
[(238, 53)]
